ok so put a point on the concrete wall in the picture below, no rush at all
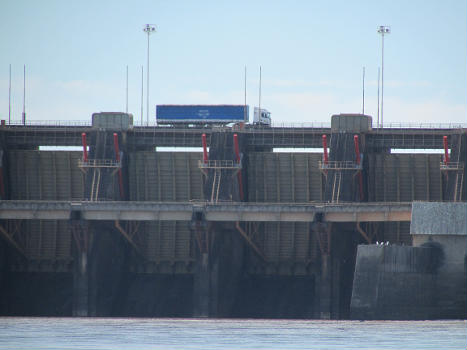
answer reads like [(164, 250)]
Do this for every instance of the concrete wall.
[(450, 278), (444, 226), (390, 282), (404, 177), (289, 248), (42, 175), (45, 175), (423, 282), (393, 282), (284, 177), (272, 177), (168, 247), (165, 176), (47, 244), (439, 218)]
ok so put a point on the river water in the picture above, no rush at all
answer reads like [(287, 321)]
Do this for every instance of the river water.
[(112, 333)]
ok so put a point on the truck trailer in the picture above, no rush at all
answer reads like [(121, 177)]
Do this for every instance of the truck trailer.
[(201, 114)]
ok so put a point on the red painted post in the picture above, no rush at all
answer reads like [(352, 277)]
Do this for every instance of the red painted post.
[(357, 149), (239, 174), (325, 150), (446, 150), (85, 147), (117, 149), (237, 150), (205, 149), (117, 158)]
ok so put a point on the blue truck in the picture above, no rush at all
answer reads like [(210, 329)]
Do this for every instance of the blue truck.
[(201, 114)]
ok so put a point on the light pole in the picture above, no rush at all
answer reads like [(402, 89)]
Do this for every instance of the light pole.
[(382, 30), (150, 28)]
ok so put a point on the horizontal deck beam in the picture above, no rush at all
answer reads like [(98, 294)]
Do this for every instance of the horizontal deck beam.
[(290, 137), (155, 211)]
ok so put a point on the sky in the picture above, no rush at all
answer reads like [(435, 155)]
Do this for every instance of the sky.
[(311, 53)]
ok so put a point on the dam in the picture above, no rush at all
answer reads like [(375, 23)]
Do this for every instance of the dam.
[(237, 230)]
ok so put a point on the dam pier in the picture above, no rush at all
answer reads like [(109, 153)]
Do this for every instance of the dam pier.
[(346, 230)]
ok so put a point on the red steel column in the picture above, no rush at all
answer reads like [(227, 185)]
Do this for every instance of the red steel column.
[(205, 149), (446, 150), (117, 149), (357, 149), (237, 150), (85, 147), (325, 150)]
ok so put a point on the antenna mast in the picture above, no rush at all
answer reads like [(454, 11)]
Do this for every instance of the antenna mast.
[(245, 97), (24, 95), (363, 88), (127, 89), (377, 124), (259, 104), (9, 99), (142, 91)]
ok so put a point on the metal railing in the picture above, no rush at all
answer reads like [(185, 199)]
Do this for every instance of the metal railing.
[(50, 123), (422, 126), (339, 165), (301, 125), (284, 128), (452, 166), (99, 163), (219, 164), (248, 127)]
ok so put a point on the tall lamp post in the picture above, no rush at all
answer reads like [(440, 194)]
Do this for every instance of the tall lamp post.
[(150, 28), (382, 30)]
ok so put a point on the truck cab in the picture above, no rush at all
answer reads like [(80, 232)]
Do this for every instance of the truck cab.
[(262, 117)]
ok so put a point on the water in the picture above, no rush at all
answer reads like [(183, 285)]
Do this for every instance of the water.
[(101, 333)]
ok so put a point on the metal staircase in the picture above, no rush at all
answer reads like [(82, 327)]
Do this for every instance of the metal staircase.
[(336, 186), (454, 172), (96, 181), (100, 167), (216, 183)]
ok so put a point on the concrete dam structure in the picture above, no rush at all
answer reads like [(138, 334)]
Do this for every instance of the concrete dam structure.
[(347, 230)]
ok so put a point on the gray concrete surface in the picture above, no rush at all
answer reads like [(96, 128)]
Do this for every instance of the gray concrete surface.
[(439, 218), (224, 211)]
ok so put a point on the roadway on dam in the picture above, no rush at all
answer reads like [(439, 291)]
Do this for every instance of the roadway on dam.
[(421, 137)]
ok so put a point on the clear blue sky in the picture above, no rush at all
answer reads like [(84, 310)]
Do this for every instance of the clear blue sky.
[(311, 53)]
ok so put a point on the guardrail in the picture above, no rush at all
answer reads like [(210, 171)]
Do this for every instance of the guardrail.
[(452, 166), (50, 123), (250, 127), (66, 123), (99, 163), (422, 126), (219, 164), (321, 125), (339, 165)]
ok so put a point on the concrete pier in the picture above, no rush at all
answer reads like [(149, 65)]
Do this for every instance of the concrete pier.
[(425, 281), (219, 262)]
